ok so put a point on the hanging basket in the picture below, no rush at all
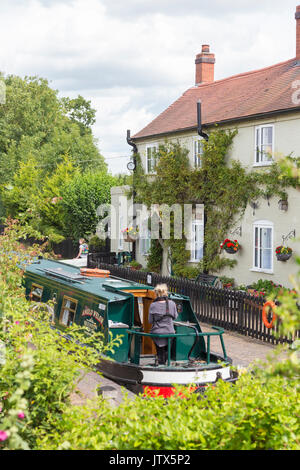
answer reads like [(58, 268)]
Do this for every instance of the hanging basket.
[(230, 250), (129, 238), (230, 246), (283, 253), (131, 234), (283, 256)]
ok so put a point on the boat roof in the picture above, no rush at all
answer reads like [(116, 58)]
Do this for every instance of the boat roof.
[(65, 274)]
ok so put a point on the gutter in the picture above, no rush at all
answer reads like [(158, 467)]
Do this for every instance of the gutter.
[(225, 121), (135, 151), (199, 121), (130, 142)]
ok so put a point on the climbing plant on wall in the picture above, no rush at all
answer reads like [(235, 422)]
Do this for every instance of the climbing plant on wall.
[(224, 186)]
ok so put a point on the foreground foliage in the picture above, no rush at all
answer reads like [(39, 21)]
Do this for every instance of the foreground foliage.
[(257, 413), (38, 367)]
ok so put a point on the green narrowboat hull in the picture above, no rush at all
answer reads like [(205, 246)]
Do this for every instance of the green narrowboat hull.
[(117, 307)]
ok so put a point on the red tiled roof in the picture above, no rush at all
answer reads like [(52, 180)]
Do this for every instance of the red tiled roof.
[(248, 94)]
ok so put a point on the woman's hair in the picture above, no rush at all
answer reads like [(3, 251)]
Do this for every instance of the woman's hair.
[(81, 240), (161, 290)]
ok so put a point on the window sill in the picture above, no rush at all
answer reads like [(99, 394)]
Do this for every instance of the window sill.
[(258, 270), (258, 165)]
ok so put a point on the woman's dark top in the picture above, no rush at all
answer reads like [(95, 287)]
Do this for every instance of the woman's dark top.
[(161, 318)]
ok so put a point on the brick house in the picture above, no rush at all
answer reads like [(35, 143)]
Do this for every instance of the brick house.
[(264, 105)]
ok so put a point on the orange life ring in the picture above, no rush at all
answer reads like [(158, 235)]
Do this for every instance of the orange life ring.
[(271, 304), (94, 272)]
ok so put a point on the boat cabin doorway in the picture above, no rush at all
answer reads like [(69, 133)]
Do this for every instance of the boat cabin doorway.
[(142, 301)]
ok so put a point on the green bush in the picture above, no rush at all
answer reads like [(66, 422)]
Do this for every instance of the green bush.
[(95, 244), (81, 198), (254, 414)]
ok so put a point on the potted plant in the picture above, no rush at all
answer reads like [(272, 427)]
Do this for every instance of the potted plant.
[(134, 265), (283, 253), (230, 246), (130, 234), (227, 282)]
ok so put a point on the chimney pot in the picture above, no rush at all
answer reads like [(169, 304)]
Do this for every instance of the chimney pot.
[(205, 66)]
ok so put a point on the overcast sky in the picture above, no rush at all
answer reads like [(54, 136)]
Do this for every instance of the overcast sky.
[(133, 58)]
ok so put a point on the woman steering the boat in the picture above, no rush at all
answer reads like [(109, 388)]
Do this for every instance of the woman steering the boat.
[(162, 312)]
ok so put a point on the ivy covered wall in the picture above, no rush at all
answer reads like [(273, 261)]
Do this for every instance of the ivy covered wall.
[(223, 184)]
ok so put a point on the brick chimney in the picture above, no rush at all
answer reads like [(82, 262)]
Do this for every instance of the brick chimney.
[(205, 64), (297, 16)]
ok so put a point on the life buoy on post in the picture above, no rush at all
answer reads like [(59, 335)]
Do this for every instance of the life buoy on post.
[(272, 305)]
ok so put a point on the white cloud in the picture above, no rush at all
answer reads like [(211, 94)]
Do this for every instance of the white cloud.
[(133, 58)]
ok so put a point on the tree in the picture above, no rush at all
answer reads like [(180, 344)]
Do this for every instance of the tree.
[(81, 198), (36, 124), (21, 197), (79, 110), (52, 215)]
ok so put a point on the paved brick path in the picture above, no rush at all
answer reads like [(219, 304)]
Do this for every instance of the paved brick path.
[(242, 350)]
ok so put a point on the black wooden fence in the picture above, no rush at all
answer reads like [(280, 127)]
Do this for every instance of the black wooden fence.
[(232, 310)]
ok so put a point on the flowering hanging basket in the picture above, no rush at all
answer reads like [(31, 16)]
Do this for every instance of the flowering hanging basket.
[(230, 246), (283, 253), (130, 234), (129, 239)]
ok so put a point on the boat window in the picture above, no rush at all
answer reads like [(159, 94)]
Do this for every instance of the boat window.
[(36, 293), (68, 311)]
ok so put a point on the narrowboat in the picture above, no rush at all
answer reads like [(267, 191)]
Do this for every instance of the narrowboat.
[(120, 307)]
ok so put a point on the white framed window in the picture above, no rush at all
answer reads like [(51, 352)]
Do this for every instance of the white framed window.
[(197, 240), (264, 145), (263, 233), (198, 153), (151, 158)]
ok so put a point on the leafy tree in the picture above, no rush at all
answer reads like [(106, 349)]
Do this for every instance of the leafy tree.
[(22, 195), (60, 205), (52, 216), (79, 110), (36, 123), (81, 198)]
